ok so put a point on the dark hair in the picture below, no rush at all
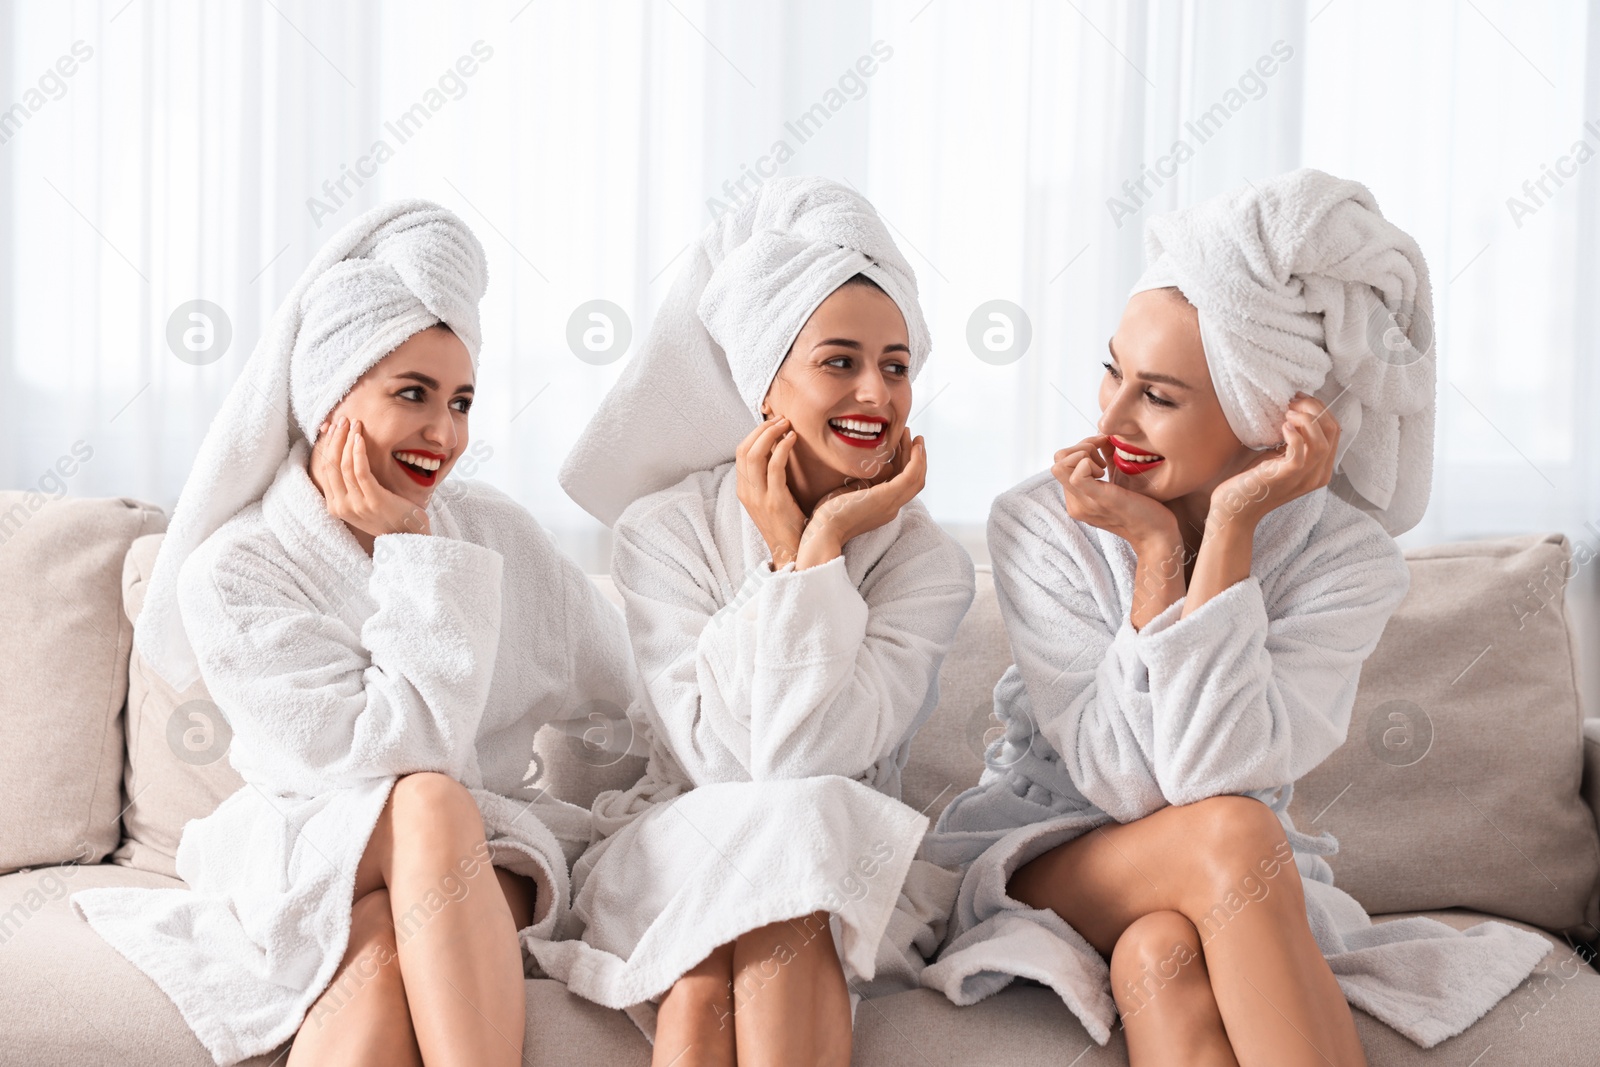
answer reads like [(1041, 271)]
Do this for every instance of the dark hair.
[(861, 279)]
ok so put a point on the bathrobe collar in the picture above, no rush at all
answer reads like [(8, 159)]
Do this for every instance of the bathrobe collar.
[(297, 514)]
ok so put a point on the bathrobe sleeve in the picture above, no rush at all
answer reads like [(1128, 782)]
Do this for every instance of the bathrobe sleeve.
[(800, 673), (321, 705), (573, 666), (1232, 699), (1255, 688), (1088, 691)]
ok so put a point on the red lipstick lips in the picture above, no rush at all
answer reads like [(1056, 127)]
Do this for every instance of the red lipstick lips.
[(1128, 466), (418, 474), (874, 441)]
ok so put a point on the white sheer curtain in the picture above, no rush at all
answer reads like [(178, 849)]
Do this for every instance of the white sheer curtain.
[(1015, 149)]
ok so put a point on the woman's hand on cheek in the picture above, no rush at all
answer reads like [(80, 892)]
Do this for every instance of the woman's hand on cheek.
[(762, 466), (852, 510), (1130, 515), (354, 496), (1305, 464)]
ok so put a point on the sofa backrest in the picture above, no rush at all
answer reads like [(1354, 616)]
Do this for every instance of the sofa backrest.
[(177, 767), (1459, 784), (64, 674)]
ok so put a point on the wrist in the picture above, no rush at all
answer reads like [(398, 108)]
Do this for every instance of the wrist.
[(1158, 544), (818, 546), (1225, 522)]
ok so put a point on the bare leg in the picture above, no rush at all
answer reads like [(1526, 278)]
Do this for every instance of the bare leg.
[(362, 1017), (776, 995), (453, 923), (791, 1000), (694, 1026), (1224, 865), (1158, 976)]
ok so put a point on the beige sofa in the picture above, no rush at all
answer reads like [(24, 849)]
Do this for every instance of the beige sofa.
[(1465, 788)]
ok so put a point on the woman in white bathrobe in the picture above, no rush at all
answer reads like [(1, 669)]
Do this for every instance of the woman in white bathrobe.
[(384, 650), (789, 605), (1188, 636)]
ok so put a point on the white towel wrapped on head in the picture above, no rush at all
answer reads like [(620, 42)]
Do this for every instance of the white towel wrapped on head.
[(397, 269), (1303, 286), (695, 389)]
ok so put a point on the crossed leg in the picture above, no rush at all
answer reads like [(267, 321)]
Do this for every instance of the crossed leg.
[(1218, 879), (433, 969), (776, 995)]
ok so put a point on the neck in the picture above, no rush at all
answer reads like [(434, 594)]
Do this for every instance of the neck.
[(808, 487), (364, 539)]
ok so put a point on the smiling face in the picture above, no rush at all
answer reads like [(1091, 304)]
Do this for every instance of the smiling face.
[(845, 386), (412, 405), (1158, 405)]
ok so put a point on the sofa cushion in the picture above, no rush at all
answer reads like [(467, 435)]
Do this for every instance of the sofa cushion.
[(74, 1000), (1552, 1019), (64, 675), (1458, 785), (71, 999), (177, 765)]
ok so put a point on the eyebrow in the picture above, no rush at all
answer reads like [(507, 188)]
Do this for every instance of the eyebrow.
[(1144, 376), (431, 383), (845, 342)]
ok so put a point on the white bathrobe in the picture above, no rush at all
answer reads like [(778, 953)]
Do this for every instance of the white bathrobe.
[(338, 672), (780, 708), (1249, 692)]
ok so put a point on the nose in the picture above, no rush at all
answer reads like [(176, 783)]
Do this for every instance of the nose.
[(1116, 414), (871, 388), (440, 432)]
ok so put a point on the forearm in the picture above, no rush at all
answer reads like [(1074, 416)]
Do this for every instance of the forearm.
[(1224, 558), (1158, 580)]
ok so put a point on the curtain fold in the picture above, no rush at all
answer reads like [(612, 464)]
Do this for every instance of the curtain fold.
[(203, 152)]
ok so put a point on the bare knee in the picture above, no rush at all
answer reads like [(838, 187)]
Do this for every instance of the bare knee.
[(1233, 836), (1156, 951), (1238, 857), (433, 810)]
